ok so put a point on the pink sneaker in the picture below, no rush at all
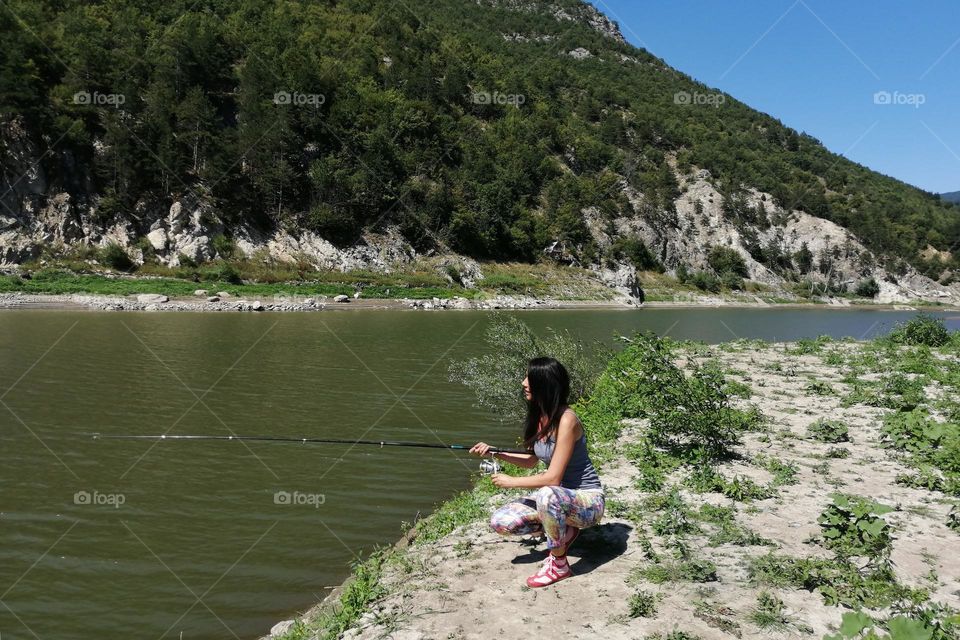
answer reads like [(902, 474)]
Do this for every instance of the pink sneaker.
[(553, 570)]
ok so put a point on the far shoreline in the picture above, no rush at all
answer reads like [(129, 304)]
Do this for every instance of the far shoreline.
[(99, 302)]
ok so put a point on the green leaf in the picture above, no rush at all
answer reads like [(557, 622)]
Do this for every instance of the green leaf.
[(902, 628), (881, 509), (854, 622), (874, 528)]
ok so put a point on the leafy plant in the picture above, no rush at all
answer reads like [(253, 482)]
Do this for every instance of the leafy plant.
[(856, 624), (853, 526), (837, 452), (116, 257), (820, 388), (930, 442), (643, 604), (832, 431), (744, 489), (728, 530), (690, 570), (770, 612), (922, 329), (674, 518), (838, 580)]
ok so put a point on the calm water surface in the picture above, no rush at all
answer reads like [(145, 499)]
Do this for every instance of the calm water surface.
[(216, 540)]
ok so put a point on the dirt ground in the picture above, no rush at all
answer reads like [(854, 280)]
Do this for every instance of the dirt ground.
[(471, 584)]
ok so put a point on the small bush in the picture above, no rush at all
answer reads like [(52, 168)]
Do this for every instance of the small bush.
[(724, 259), (706, 281), (852, 526), (116, 257), (953, 519), (867, 288), (731, 280), (222, 272), (224, 246), (690, 416), (922, 329), (634, 250), (769, 612), (643, 605), (831, 431)]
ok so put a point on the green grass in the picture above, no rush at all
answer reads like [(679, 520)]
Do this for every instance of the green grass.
[(63, 282), (362, 589), (770, 612), (464, 508)]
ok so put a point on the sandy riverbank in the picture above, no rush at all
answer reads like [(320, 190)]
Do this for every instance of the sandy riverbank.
[(470, 583)]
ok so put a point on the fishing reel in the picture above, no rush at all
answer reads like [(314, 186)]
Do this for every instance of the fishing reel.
[(490, 467)]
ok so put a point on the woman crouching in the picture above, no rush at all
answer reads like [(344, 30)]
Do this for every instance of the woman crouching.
[(569, 496)]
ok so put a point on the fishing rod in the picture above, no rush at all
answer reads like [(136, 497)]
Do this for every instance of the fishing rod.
[(381, 443), (487, 467)]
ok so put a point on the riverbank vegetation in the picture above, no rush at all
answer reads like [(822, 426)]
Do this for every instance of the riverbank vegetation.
[(756, 501), (426, 279)]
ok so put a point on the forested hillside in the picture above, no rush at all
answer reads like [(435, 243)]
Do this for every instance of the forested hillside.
[(480, 127)]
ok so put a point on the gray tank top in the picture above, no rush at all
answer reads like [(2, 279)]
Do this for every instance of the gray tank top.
[(579, 473)]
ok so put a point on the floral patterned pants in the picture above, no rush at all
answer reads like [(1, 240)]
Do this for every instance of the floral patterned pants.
[(550, 510)]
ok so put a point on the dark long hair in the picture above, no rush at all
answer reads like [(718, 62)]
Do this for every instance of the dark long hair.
[(550, 388)]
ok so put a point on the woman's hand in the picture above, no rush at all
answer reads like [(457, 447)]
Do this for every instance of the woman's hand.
[(502, 480), (480, 449)]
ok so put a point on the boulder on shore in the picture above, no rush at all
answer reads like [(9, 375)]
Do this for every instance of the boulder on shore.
[(341, 298), (152, 298)]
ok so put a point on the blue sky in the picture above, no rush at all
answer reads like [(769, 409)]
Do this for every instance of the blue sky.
[(816, 66)]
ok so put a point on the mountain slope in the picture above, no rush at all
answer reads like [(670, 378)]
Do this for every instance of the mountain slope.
[(493, 128), (953, 196)]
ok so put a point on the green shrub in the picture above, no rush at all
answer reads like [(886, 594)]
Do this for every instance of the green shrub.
[(674, 518), (831, 431), (116, 257), (867, 288), (724, 259), (744, 490), (731, 280), (769, 612), (634, 250), (839, 581), (922, 329), (690, 416), (705, 281), (852, 526), (225, 247), (690, 570), (221, 272), (643, 605), (931, 442), (858, 625)]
